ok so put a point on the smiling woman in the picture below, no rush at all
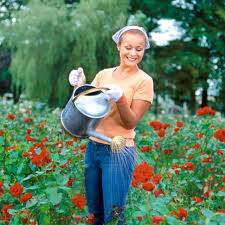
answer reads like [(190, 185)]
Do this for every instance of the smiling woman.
[(130, 91)]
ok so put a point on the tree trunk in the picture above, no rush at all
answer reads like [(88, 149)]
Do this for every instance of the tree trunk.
[(192, 105), (204, 97), (156, 105)]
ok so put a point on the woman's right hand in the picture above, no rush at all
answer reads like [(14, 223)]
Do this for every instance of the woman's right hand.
[(75, 77)]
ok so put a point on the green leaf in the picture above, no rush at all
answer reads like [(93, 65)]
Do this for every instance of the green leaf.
[(45, 208), (20, 168), (54, 197), (15, 221), (46, 219), (28, 177), (208, 213), (32, 187), (173, 221), (12, 211), (61, 180), (55, 156), (31, 203), (113, 222), (221, 194), (1, 139)]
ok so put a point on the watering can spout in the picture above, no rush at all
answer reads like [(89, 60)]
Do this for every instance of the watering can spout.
[(93, 133)]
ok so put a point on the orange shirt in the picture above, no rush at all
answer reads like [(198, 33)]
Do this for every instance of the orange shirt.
[(137, 86)]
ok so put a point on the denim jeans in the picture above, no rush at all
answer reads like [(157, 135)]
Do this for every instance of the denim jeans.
[(107, 180)]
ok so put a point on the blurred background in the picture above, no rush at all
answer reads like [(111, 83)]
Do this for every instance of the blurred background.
[(41, 41)]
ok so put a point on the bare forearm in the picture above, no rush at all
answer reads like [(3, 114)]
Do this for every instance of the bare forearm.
[(128, 117), (131, 115)]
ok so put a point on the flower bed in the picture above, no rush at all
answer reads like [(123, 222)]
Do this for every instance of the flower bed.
[(178, 178)]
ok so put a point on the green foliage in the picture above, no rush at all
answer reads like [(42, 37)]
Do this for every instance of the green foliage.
[(186, 64), (49, 40), (4, 75), (53, 191)]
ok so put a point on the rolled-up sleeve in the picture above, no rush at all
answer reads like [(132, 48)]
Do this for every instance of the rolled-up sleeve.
[(145, 90)]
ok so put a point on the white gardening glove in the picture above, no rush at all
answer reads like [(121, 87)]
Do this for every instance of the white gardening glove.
[(114, 93), (75, 77)]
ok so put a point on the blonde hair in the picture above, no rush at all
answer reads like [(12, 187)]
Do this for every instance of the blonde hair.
[(134, 31)]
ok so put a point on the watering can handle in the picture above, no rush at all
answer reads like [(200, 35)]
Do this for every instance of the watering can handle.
[(88, 92)]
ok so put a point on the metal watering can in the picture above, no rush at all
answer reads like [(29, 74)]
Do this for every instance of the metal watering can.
[(83, 112)]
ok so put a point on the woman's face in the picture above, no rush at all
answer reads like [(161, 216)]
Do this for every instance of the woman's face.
[(131, 48)]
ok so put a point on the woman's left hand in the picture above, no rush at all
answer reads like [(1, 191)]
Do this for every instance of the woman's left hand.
[(114, 93)]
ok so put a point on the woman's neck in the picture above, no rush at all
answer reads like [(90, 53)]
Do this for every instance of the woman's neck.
[(127, 69), (122, 72)]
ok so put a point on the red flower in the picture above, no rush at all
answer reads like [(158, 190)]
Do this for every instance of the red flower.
[(189, 158), (1, 133), (157, 219), (11, 116), (75, 139), (183, 213), (200, 136), (44, 140), (91, 219), (16, 189), (161, 133), (30, 138), (143, 172), (196, 146), (220, 135), (12, 147), (206, 190), (174, 167), (27, 120), (1, 188), (167, 151), (157, 125), (207, 160), (220, 211), (25, 220), (221, 189), (82, 148), (26, 154), (159, 192), (176, 129), (41, 160), (26, 197), (146, 149), (165, 125), (28, 131), (134, 183), (70, 182), (156, 179), (140, 218), (188, 166), (219, 152), (60, 144), (5, 210), (78, 218), (79, 201), (206, 110), (197, 199), (223, 179), (70, 143), (180, 124), (143, 134), (148, 186)]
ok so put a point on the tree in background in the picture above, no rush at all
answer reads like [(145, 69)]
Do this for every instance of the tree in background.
[(48, 40), (201, 54)]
